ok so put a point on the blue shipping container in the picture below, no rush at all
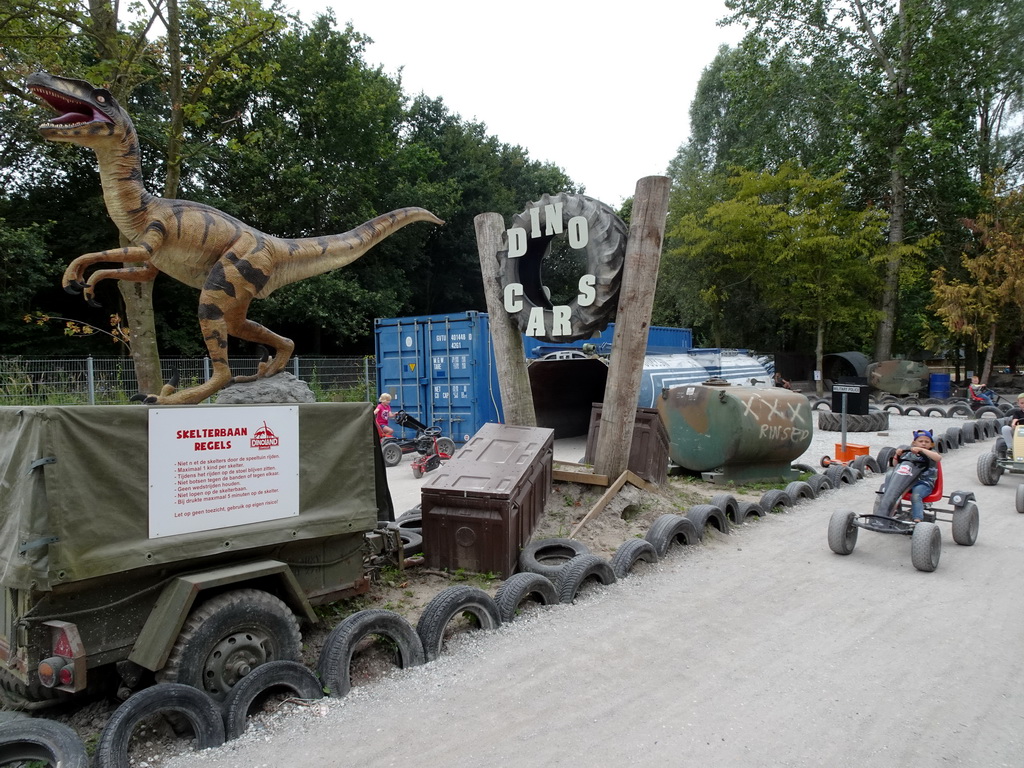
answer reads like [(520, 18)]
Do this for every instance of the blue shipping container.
[(661, 340), (440, 369)]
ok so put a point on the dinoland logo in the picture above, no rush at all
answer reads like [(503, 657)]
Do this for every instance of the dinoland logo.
[(264, 438)]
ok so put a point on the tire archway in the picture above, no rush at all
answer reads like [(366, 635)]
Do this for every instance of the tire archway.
[(605, 251)]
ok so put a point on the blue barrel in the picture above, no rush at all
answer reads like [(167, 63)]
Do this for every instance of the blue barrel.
[(938, 385)]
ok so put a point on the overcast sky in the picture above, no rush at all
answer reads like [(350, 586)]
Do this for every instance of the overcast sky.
[(602, 90)]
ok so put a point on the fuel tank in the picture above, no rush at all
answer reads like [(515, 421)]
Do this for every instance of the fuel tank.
[(736, 433)]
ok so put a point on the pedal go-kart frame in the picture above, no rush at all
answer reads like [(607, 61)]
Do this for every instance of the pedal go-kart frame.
[(428, 440), (1000, 459), (891, 515)]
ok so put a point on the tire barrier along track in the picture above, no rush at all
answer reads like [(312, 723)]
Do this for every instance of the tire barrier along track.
[(547, 556), (266, 680), (449, 604), (578, 571), (339, 649), (523, 587), (201, 712), (29, 740)]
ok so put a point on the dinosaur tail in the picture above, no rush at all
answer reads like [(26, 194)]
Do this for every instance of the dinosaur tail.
[(310, 256)]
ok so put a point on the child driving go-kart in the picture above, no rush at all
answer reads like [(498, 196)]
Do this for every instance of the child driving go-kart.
[(922, 452), (917, 478)]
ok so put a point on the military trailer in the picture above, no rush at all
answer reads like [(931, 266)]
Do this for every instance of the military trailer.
[(184, 544)]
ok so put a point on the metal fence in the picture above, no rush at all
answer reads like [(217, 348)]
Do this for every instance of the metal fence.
[(111, 380)]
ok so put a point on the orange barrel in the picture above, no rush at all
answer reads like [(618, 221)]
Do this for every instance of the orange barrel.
[(747, 432)]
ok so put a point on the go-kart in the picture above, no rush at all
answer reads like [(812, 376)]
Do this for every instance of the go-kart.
[(986, 405), (1003, 458), (891, 514), (427, 442)]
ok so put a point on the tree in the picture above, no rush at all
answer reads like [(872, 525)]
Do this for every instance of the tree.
[(905, 61), (992, 289), (791, 238)]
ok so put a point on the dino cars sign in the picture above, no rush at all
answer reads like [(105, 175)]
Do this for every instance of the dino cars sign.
[(214, 467), (592, 231)]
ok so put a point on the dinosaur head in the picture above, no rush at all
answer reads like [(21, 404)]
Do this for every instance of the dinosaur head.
[(86, 115)]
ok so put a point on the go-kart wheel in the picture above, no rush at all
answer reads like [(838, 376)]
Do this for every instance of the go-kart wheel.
[(446, 446), (989, 470), (392, 454), (965, 524), (926, 547), (1019, 500), (842, 533), (417, 470)]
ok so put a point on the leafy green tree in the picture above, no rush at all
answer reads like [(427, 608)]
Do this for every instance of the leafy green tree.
[(906, 61), (792, 239), (992, 289)]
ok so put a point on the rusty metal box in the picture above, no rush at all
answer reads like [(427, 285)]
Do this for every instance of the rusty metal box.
[(485, 503), (649, 452)]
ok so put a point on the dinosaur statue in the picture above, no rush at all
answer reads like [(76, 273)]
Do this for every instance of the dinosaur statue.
[(230, 262)]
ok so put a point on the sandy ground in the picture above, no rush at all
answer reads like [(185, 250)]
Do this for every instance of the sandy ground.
[(757, 648)]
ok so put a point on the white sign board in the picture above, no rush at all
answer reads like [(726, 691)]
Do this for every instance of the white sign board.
[(218, 467), (853, 389)]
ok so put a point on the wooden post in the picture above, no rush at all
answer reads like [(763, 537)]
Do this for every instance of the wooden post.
[(509, 355), (632, 321)]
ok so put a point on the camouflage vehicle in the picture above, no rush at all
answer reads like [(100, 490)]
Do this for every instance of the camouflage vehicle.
[(93, 600)]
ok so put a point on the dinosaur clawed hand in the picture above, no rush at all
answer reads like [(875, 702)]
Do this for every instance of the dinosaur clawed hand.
[(74, 286), (166, 391)]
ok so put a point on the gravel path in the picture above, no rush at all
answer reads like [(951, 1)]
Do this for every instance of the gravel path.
[(760, 648)]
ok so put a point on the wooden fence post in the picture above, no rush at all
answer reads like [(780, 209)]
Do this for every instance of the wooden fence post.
[(632, 322), (509, 355)]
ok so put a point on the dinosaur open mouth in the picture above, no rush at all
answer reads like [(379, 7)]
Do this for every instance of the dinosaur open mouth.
[(69, 111)]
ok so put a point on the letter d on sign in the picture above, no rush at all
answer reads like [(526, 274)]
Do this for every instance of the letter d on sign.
[(516, 242)]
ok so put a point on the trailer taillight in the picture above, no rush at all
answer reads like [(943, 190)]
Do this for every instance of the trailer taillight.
[(49, 670), (65, 668)]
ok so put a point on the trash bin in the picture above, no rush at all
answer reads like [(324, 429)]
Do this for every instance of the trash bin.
[(939, 385), (482, 506)]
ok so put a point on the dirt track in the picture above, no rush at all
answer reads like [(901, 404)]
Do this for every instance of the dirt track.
[(761, 648)]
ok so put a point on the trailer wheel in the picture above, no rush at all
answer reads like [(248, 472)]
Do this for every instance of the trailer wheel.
[(842, 533), (228, 636), (672, 529), (346, 640), (448, 605), (926, 547), (198, 709), (579, 571), (392, 454), (989, 470), (520, 588), (253, 690), (547, 556), (966, 521), (30, 741), (631, 552)]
